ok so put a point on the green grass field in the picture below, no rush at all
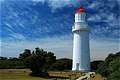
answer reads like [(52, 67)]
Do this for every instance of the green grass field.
[(17, 74)]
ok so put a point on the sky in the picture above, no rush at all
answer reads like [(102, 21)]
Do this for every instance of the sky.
[(47, 24)]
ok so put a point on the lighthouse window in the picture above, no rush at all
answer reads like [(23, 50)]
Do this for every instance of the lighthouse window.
[(78, 18), (83, 17)]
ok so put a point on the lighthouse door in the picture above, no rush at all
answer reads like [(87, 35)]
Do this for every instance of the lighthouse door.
[(77, 66)]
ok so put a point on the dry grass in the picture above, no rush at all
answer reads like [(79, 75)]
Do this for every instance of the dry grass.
[(23, 74), (17, 74), (98, 77)]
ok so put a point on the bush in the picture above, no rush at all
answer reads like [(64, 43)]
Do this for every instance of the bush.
[(111, 67)]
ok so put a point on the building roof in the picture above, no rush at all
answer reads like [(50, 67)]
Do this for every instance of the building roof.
[(81, 9)]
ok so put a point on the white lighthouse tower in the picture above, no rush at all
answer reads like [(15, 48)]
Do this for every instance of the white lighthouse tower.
[(81, 50)]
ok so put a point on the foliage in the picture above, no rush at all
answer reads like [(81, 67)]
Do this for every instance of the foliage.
[(25, 54), (95, 64), (37, 60), (40, 60), (114, 67), (114, 76), (3, 58), (111, 67), (11, 63), (62, 64)]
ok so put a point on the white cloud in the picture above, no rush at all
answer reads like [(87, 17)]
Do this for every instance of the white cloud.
[(8, 25), (57, 45), (62, 47), (17, 36), (54, 4), (59, 3)]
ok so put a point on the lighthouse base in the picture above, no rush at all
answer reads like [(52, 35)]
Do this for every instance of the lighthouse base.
[(81, 70)]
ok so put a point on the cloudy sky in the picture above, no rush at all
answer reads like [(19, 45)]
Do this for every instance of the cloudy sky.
[(27, 24)]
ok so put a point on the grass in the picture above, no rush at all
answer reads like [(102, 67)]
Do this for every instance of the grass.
[(17, 74), (23, 74), (98, 77)]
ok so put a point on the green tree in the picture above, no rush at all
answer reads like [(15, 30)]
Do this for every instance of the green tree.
[(25, 54), (111, 67), (3, 58), (11, 63), (50, 59), (95, 64), (40, 60), (62, 64), (103, 69), (114, 67), (114, 76), (35, 63)]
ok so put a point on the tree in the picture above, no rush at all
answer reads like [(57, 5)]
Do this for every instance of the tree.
[(114, 67), (62, 64), (13, 59), (95, 64), (11, 63), (114, 76), (111, 67), (50, 59), (35, 63), (3, 58), (40, 60), (103, 69), (25, 54)]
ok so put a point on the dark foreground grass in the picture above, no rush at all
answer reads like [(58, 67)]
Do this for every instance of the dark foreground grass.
[(17, 74)]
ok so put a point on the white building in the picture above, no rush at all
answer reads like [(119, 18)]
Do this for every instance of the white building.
[(81, 50)]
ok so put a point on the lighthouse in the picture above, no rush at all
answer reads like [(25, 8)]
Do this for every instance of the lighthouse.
[(81, 50)]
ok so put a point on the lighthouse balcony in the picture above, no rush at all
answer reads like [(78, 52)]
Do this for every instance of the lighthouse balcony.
[(78, 28)]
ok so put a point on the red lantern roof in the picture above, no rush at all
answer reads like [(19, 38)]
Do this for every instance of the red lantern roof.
[(80, 10)]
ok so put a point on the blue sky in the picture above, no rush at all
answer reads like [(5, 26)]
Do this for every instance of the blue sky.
[(47, 24)]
